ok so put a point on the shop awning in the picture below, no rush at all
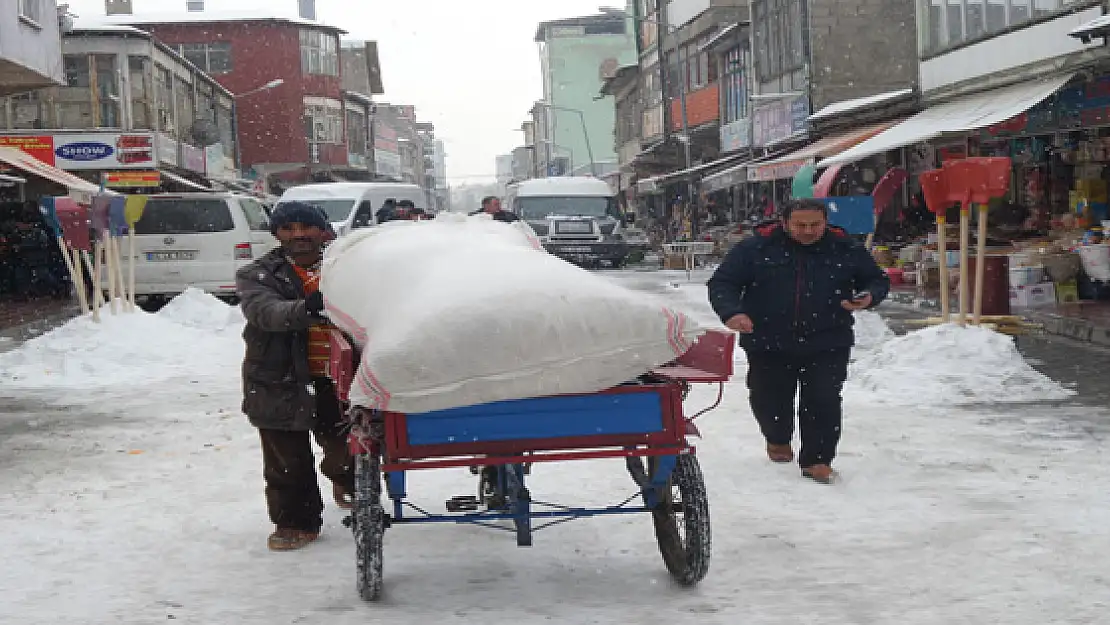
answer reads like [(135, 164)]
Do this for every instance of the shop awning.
[(737, 174), (958, 116), (648, 185), (81, 190), (183, 181), (788, 165)]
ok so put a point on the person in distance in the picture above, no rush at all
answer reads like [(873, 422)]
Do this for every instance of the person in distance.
[(492, 206)]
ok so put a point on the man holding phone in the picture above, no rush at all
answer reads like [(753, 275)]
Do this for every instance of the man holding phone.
[(790, 291)]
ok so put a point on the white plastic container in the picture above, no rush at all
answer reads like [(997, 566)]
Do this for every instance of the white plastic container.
[(1025, 276), (1096, 261)]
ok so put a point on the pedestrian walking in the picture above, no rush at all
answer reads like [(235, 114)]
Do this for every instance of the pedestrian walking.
[(790, 291)]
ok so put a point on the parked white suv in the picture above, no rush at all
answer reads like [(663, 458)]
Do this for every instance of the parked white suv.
[(197, 240)]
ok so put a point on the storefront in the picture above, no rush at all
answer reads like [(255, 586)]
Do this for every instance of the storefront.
[(142, 161)]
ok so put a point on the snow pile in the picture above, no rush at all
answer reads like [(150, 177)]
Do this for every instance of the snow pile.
[(871, 330), (949, 365), (194, 335), (196, 309)]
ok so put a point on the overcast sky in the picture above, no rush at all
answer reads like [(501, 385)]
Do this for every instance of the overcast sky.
[(471, 68)]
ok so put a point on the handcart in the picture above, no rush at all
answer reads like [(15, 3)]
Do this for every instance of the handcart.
[(642, 421)]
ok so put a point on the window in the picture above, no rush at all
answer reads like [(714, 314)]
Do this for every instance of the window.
[(186, 108), (778, 37), (943, 24), (211, 58), (107, 91), (183, 216), (605, 28), (734, 83), (163, 98), (142, 93), (76, 67), (356, 133), (319, 53), (31, 9), (323, 123), (255, 214)]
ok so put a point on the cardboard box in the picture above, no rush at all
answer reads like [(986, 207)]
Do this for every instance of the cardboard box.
[(1033, 295)]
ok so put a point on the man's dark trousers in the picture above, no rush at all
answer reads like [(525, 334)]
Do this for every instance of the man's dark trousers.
[(773, 379), (292, 491)]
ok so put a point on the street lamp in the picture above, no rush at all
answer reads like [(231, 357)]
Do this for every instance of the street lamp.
[(585, 132), (277, 82)]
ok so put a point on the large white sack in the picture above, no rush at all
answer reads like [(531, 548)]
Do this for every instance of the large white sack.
[(463, 310)]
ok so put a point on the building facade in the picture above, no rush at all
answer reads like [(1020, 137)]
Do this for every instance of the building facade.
[(131, 108), (302, 54), (810, 54), (30, 45), (576, 56)]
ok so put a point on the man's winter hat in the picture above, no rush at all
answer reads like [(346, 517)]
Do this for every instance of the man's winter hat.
[(298, 213)]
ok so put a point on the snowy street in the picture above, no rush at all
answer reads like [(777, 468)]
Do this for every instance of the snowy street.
[(973, 491)]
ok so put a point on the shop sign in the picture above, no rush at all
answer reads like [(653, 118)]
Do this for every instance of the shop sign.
[(215, 163), (87, 151), (167, 150), (387, 163), (653, 121), (192, 158), (736, 135), (777, 171), (779, 120), (357, 161), (39, 146), (117, 179)]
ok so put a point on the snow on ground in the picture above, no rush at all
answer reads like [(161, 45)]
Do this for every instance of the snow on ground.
[(139, 499)]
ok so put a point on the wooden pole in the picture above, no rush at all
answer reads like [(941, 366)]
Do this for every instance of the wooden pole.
[(117, 260), (98, 293), (131, 265), (965, 228), (110, 267), (980, 264), (942, 236), (79, 278)]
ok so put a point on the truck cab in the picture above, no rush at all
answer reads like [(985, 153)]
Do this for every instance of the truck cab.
[(576, 217)]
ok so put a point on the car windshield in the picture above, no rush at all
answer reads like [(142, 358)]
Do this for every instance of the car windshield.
[(185, 216), (569, 206), (337, 209)]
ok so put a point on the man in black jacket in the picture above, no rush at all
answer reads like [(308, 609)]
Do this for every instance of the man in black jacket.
[(286, 391), (790, 291), (492, 206)]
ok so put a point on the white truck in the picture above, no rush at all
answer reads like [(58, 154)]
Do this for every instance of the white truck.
[(576, 217)]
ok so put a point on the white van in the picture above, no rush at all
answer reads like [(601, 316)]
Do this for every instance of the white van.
[(197, 240), (352, 205), (577, 218)]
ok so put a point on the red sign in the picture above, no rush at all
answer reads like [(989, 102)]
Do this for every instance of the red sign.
[(40, 147), (117, 179)]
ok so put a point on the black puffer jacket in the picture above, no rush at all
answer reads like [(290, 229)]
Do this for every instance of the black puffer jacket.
[(501, 215), (276, 381), (793, 292)]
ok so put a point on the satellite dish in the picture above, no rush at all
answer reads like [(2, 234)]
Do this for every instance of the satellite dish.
[(205, 132)]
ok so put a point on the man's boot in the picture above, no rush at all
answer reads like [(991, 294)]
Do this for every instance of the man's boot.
[(289, 539), (780, 453)]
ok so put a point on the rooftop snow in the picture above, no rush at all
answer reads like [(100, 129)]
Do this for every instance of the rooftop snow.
[(215, 16), (847, 106)]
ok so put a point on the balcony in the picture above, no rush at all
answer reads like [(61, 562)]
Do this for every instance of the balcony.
[(702, 107)]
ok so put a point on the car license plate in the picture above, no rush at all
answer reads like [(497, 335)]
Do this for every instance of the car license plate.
[(170, 256), (573, 227)]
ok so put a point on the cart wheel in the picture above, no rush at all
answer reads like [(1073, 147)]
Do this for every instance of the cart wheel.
[(369, 525), (686, 557)]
